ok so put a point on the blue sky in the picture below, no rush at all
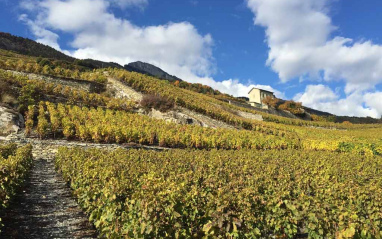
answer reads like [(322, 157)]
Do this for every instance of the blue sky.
[(219, 44)]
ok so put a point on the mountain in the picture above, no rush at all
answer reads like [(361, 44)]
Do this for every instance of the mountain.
[(151, 70), (29, 47)]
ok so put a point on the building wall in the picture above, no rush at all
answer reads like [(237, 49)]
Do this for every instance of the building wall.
[(256, 97)]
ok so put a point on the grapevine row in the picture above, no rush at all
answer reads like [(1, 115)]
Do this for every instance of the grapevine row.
[(29, 67), (226, 194), (109, 126), (140, 81), (194, 101), (215, 108), (15, 163), (72, 95)]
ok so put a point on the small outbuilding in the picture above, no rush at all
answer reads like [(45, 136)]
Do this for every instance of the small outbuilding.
[(257, 95)]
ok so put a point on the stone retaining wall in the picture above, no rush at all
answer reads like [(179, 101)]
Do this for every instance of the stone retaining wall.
[(92, 87)]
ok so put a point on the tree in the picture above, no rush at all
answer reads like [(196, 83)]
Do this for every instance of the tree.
[(45, 62), (271, 101), (293, 107)]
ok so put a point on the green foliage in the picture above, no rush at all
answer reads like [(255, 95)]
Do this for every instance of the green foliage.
[(203, 89), (29, 95), (225, 194), (293, 107), (271, 101), (7, 150), (28, 47), (14, 166), (32, 90), (42, 126), (99, 125), (4, 89), (44, 62), (29, 121), (200, 103)]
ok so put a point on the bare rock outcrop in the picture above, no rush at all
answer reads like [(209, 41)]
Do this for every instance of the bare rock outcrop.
[(122, 91), (174, 116), (10, 121)]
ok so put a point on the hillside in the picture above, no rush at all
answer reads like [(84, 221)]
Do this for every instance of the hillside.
[(151, 70), (29, 47), (122, 154)]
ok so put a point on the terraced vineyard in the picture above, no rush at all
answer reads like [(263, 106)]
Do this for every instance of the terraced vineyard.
[(276, 178), (218, 193), (110, 126)]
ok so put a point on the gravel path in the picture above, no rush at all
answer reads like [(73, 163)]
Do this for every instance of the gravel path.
[(45, 208)]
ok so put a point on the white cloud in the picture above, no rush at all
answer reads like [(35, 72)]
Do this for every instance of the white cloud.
[(316, 94), (323, 98), (177, 48), (100, 35), (374, 100), (43, 35), (128, 3), (299, 37), (72, 15)]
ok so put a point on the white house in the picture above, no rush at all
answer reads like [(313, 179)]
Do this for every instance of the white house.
[(256, 97)]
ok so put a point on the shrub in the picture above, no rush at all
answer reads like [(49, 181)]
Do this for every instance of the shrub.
[(44, 62), (4, 88), (271, 101), (323, 118), (7, 150), (157, 102), (293, 107), (347, 123)]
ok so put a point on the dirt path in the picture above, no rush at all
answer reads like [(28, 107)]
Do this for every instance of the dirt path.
[(45, 208)]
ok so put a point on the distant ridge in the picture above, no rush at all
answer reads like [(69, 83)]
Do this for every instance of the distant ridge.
[(151, 70), (29, 47)]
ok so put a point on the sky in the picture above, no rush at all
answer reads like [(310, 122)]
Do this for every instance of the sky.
[(326, 54)]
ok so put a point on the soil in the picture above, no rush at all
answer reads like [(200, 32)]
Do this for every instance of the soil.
[(45, 207)]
